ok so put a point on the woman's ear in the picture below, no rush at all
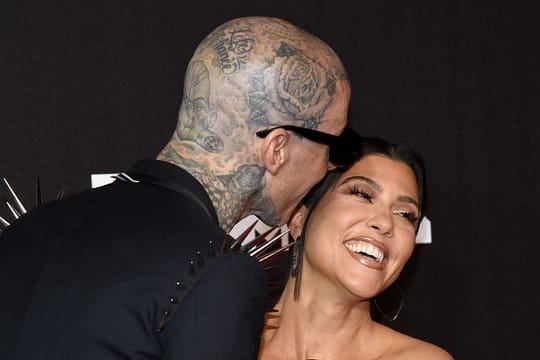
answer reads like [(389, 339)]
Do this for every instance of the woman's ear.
[(297, 221), (274, 150)]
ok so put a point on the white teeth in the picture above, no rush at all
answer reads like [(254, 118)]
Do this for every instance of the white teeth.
[(365, 248)]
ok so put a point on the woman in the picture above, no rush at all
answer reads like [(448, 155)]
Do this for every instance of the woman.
[(354, 234)]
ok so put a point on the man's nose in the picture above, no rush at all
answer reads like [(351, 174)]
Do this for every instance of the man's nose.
[(331, 166)]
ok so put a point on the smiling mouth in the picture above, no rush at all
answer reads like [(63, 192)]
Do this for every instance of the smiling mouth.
[(366, 249)]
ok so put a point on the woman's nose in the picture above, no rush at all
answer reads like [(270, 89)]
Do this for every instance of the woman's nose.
[(381, 221)]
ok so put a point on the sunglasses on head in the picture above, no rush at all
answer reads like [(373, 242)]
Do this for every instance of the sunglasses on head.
[(344, 149)]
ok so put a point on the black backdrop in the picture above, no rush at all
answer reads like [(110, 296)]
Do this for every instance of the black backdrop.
[(91, 86)]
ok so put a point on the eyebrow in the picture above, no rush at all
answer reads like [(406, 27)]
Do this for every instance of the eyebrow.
[(378, 188), (408, 199)]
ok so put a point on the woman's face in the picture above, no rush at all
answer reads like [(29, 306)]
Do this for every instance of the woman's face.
[(362, 232)]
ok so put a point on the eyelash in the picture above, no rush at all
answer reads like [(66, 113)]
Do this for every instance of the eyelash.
[(413, 219), (355, 190)]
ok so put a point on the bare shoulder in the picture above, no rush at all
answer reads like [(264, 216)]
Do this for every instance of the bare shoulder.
[(404, 347), (416, 349), (419, 350)]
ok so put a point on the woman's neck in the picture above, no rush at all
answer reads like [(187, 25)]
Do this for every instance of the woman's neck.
[(314, 326)]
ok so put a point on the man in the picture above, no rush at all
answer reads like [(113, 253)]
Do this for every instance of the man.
[(133, 270)]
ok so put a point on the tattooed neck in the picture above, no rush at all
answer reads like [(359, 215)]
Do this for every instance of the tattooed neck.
[(229, 193)]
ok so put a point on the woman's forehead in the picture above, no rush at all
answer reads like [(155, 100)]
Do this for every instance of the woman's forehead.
[(382, 168)]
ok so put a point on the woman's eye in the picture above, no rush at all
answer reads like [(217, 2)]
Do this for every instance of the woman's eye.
[(366, 195), (409, 216)]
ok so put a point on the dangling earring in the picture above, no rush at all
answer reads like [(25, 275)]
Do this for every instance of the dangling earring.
[(296, 256), (400, 306), (296, 269)]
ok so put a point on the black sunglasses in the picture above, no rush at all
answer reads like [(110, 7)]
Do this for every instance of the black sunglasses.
[(313, 135), (344, 149)]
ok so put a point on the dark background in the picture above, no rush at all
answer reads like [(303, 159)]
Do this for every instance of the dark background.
[(92, 86)]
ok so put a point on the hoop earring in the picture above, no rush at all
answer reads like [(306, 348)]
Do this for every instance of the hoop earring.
[(400, 306)]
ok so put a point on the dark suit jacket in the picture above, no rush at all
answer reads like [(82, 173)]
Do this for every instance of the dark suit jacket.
[(113, 273)]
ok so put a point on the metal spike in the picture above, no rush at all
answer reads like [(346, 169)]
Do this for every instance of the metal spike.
[(269, 256), (39, 199), (161, 326), (18, 202), (191, 269), (61, 192), (243, 236), (14, 212), (272, 268), (200, 259), (211, 251), (180, 286), (225, 244), (4, 222), (259, 239), (269, 243)]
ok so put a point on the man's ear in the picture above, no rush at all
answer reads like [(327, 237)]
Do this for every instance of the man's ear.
[(274, 150), (297, 221)]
